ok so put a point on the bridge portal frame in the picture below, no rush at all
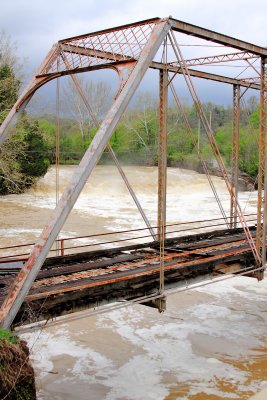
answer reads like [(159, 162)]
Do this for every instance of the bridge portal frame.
[(131, 61)]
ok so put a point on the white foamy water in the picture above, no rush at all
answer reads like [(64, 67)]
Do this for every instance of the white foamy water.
[(209, 344)]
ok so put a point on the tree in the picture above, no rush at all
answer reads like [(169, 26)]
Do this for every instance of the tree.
[(98, 95), (23, 156), (9, 84), (9, 87), (141, 124)]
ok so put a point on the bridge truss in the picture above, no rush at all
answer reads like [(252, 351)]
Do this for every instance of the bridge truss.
[(131, 50)]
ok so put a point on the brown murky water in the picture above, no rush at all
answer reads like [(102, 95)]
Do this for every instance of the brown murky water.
[(209, 344)]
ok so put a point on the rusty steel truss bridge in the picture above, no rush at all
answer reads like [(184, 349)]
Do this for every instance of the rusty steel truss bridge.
[(37, 285)]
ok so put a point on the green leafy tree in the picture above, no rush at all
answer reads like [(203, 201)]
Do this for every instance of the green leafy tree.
[(9, 88), (23, 157)]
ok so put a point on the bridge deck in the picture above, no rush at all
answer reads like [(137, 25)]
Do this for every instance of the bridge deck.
[(71, 283)]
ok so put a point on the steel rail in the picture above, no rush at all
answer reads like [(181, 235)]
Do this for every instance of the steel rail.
[(5, 258), (79, 287), (126, 231), (135, 265)]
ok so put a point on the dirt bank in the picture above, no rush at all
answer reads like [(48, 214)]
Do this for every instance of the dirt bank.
[(16, 373)]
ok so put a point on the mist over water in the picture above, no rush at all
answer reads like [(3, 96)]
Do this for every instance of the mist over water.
[(209, 344)]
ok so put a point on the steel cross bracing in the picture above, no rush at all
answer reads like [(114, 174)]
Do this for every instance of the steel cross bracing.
[(130, 50), (242, 55)]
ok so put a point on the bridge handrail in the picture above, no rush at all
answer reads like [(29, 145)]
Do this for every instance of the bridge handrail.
[(62, 249)]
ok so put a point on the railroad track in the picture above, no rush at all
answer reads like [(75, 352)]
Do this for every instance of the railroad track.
[(66, 284)]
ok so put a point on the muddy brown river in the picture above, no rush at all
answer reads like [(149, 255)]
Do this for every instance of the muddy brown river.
[(211, 342)]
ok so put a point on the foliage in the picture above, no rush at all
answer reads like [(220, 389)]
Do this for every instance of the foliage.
[(9, 87), (23, 158), (7, 336), (135, 140)]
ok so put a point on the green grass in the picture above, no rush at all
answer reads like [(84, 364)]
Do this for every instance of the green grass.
[(7, 336)]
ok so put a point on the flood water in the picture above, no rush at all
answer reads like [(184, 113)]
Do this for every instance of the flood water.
[(210, 343)]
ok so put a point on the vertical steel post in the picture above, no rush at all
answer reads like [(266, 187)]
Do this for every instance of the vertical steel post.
[(32, 266), (235, 156), (262, 181), (162, 167)]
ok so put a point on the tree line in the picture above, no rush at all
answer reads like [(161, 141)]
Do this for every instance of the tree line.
[(135, 140)]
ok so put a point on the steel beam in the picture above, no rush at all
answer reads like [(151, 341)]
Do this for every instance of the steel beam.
[(155, 20), (104, 55), (247, 83), (261, 224), (87, 52), (162, 169), (228, 57), (216, 37), (28, 273), (235, 156), (162, 152), (206, 75)]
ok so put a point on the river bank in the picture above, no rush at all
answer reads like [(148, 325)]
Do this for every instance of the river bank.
[(17, 381)]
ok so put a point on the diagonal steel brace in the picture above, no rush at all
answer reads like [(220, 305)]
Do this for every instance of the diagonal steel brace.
[(28, 273)]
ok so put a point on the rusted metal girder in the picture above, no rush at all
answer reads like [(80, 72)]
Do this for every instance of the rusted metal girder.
[(253, 80), (114, 57), (106, 46), (118, 59), (261, 222), (253, 83), (162, 152), (28, 273), (235, 156), (240, 56), (216, 37), (162, 169), (119, 28)]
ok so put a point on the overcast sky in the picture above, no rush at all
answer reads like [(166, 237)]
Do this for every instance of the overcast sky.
[(35, 25)]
